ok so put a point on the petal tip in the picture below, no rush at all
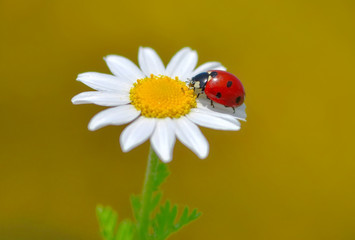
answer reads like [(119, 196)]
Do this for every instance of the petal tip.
[(110, 56), (80, 76), (91, 129), (203, 156), (125, 148), (73, 100), (92, 126), (166, 160)]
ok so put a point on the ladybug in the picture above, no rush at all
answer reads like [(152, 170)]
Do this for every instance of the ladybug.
[(219, 86)]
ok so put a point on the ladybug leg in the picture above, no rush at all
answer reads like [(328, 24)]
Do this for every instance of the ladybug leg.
[(198, 95), (212, 104), (211, 101), (231, 107)]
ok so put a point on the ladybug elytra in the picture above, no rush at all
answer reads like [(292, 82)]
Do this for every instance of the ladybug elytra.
[(219, 86)]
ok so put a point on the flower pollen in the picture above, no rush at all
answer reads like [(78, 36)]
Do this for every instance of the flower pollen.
[(161, 97)]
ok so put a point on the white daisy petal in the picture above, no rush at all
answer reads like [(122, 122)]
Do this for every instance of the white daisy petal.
[(113, 116), (240, 112), (150, 62), (225, 115), (163, 139), (208, 66), (204, 103), (103, 82), (137, 133), (123, 68), (190, 135), (101, 98), (182, 63), (205, 119), (176, 59)]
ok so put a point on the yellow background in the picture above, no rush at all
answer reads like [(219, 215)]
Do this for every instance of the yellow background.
[(288, 174)]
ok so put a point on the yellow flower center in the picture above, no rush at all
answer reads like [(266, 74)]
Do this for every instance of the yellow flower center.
[(161, 97)]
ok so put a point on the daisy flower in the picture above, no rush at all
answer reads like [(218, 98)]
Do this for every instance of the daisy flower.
[(158, 102)]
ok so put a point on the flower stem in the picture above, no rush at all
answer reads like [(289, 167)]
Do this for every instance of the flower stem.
[(147, 195)]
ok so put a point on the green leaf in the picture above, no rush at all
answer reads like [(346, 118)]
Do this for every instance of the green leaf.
[(164, 222), (108, 225), (186, 218), (107, 221), (136, 206), (155, 201), (125, 231)]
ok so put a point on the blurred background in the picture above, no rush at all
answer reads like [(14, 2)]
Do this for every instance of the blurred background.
[(289, 172)]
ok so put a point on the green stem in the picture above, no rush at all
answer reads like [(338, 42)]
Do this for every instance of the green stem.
[(147, 195)]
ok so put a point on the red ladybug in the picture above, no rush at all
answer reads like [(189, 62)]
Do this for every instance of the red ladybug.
[(219, 86)]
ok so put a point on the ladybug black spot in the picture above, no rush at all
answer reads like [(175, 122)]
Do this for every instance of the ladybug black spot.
[(214, 74), (229, 83), (237, 100), (218, 95)]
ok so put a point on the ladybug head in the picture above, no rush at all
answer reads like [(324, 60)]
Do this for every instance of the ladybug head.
[(199, 81), (191, 82)]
